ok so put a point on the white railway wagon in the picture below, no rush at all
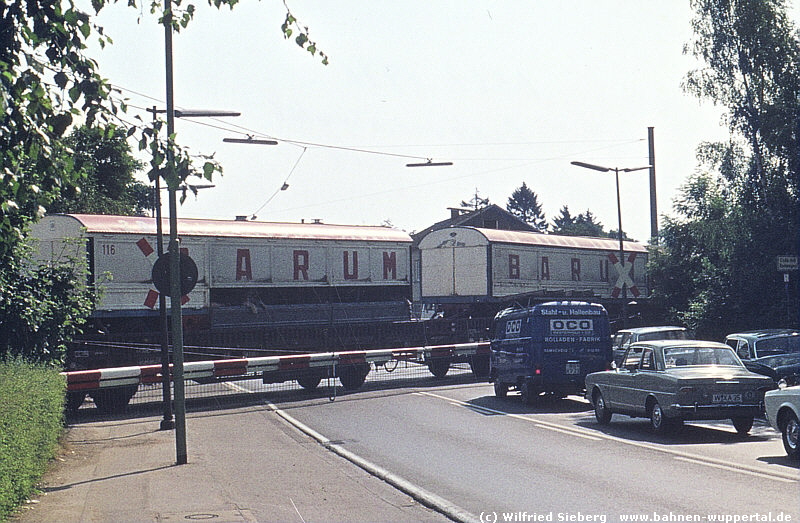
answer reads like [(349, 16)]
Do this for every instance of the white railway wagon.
[(260, 267), (467, 264)]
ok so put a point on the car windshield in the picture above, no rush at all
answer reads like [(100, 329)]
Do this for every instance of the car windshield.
[(778, 345), (699, 356), (663, 335)]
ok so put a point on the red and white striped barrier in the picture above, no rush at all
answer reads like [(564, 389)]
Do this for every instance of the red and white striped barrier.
[(84, 380)]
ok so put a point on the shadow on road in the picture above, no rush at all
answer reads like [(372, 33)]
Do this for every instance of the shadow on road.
[(546, 405), (715, 432)]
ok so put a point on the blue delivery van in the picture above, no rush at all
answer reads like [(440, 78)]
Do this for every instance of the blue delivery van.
[(549, 348)]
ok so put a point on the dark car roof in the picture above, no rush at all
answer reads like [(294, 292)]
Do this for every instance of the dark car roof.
[(761, 334)]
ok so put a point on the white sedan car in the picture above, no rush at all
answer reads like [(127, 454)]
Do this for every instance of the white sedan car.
[(783, 412)]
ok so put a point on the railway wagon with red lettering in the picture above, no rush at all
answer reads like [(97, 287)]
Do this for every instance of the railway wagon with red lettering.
[(254, 279), (463, 266)]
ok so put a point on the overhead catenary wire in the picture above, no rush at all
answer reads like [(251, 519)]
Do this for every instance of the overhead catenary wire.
[(518, 161), (246, 132), (283, 186)]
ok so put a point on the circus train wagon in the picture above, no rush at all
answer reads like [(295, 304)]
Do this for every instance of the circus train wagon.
[(287, 288)]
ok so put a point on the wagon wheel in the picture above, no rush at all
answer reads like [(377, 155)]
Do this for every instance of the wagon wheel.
[(74, 400), (309, 382), (114, 400), (479, 364), (353, 376), (439, 367)]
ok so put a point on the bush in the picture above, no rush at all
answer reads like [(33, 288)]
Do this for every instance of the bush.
[(42, 306), (31, 422)]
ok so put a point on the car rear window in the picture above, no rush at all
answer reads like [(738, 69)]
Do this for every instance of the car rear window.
[(699, 356), (778, 345), (663, 335)]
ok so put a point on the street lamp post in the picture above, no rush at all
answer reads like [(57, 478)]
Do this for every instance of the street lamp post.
[(174, 243), (619, 222)]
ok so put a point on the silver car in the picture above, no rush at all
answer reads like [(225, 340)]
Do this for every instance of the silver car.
[(783, 410), (672, 381), (623, 338)]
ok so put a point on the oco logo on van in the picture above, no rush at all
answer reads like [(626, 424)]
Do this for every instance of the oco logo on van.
[(567, 326)]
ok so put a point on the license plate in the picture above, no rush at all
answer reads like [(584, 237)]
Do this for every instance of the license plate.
[(727, 398), (573, 368)]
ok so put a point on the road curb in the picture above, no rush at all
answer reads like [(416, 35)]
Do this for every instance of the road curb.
[(421, 495)]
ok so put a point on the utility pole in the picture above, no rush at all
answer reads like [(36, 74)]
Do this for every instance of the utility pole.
[(653, 203), (174, 252)]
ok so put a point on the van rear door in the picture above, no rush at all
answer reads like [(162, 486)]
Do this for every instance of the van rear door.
[(575, 342)]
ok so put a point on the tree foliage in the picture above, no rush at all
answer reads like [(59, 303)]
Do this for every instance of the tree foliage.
[(106, 183), (42, 306), (47, 84), (716, 265), (524, 204), (584, 224)]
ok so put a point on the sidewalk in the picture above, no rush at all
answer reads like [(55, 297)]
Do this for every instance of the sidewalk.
[(245, 464)]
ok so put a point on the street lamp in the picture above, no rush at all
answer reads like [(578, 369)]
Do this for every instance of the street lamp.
[(619, 218), (429, 163), (250, 140), (174, 245)]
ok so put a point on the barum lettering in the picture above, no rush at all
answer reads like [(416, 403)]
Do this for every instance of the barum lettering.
[(243, 266)]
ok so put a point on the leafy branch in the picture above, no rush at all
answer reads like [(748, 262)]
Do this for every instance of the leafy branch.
[(302, 38)]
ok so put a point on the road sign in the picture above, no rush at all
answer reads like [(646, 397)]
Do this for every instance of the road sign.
[(787, 263)]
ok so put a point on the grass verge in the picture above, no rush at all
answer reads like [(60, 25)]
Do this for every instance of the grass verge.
[(31, 422)]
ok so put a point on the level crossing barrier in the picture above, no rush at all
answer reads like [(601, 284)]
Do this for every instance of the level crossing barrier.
[(278, 368)]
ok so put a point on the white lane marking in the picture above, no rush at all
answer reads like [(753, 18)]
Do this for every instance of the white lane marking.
[(732, 469), (539, 423), (776, 475), (236, 387)]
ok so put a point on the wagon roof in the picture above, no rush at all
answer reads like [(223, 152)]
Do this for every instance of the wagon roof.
[(95, 223), (551, 240)]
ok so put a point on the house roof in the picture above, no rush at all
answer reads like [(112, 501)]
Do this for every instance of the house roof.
[(476, 219)]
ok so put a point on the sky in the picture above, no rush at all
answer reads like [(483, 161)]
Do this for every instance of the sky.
[(509, 91)]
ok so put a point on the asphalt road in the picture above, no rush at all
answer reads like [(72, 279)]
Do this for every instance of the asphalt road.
[(502, 461)]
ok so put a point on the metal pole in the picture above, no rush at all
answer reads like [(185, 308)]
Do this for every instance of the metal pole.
[(653, 203), (621, 252), (166, 394), (174, 253)]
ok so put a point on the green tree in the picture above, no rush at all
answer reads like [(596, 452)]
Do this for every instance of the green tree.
[(584, 224), (563, 221), (42, 306), (715, 268), (524, 204), (46, 83), (106, 183)]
